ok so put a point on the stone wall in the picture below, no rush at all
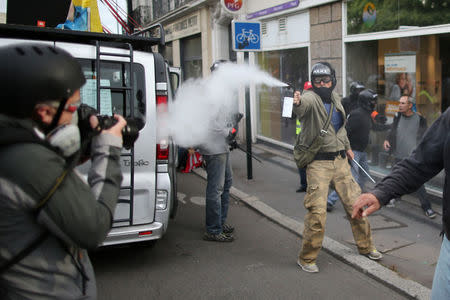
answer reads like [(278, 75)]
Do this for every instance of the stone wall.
[(326, 37)]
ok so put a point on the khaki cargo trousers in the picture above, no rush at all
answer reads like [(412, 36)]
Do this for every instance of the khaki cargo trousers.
[(320, 174)]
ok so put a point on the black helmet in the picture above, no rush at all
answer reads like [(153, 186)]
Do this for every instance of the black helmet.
[(216, 64), (323, 69), (356, 87), (368, 100), (33, 73)]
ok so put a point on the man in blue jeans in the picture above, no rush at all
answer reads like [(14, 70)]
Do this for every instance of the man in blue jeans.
[(223, 130)]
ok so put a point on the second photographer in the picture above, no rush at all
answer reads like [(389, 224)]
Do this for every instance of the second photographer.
[(49, 215)]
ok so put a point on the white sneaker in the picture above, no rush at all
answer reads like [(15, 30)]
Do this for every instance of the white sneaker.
[(374, 255), (310, 268)]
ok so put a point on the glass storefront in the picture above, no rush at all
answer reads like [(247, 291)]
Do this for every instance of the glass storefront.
[(380, 15), (417, 66), (289, 66)]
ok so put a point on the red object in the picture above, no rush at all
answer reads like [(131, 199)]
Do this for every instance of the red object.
[(193, 161), (374, 114), (143, 233), (233, 5), (233, 130), (307, 85), (40, 23)]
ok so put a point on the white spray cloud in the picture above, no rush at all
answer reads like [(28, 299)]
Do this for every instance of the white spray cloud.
[(201, 102)]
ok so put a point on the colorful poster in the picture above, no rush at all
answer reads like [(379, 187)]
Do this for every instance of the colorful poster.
[(84, 16), (400, 74)]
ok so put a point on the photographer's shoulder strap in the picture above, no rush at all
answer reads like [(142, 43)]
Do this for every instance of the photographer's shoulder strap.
[(41, 238), (24, 252)]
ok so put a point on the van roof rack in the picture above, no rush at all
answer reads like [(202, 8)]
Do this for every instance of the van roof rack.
[(83, 37)]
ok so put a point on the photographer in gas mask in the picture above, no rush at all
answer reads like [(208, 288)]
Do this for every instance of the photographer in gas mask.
[(49, 215)]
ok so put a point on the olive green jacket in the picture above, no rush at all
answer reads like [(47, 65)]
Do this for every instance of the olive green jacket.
[(312, 114)]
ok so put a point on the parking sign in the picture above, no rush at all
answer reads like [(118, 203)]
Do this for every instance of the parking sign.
[(246, 36)]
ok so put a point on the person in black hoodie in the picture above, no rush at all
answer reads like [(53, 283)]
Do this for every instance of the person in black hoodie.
[(351, 101), (359, 124), (426, 161)]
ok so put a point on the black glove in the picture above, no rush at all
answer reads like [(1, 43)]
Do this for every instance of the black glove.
[(233, 145), (380, 119)]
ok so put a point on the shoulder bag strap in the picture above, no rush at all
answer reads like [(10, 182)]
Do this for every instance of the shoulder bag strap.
[(41, 238), (323, 131)]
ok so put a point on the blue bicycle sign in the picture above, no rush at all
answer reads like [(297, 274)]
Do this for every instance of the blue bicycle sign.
[(246, 36)]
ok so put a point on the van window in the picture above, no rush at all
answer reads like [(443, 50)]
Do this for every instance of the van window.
[(116, 100)]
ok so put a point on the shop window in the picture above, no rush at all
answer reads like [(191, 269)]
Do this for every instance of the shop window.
[(380, 15), (289, 66), (413, 66)]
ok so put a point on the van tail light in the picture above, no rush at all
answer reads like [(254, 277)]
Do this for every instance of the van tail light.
[(161, 103), (162, 148), (162, 151)]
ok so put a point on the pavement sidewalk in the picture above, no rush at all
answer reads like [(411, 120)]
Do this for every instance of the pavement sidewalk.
[(409, 241)]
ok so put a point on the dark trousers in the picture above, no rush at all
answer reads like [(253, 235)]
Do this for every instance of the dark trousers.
[(302, 174)]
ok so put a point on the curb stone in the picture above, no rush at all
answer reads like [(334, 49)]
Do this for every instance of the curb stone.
[(373, 269)]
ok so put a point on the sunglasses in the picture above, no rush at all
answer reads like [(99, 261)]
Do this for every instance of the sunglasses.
[(324, 79)]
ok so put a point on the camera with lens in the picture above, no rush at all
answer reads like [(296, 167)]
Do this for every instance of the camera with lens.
[(130, 132)]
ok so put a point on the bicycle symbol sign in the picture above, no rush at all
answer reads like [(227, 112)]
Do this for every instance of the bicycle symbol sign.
[(246, 36)]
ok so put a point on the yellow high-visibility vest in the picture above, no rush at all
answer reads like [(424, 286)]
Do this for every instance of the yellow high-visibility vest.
[(298, 127)]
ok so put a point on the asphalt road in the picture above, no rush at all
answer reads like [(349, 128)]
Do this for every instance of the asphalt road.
[(259, 264)]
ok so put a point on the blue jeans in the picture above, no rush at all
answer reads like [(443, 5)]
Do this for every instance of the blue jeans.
[(358, 174), (441, 288), (219, 180)]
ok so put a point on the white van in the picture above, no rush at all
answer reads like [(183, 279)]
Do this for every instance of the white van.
[(124, 76)]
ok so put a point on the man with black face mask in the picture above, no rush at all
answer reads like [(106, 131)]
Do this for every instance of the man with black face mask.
[(329, 166), (49, 215), (359, 124)]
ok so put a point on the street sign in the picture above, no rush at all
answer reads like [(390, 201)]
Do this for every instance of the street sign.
[(246, 36)]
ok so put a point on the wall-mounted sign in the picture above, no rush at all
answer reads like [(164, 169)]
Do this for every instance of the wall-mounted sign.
[(273, 9), (246, 36), (233, 6)]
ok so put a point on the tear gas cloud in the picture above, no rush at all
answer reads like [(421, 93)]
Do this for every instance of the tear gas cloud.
[(200, 102)]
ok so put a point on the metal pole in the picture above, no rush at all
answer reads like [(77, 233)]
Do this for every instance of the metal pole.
[(248, 126), (370, 177), (248, 133)]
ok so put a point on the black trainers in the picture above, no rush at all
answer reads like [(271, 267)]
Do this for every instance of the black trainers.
[(430, 213), (301, 189), (227, 229), (221, 237)]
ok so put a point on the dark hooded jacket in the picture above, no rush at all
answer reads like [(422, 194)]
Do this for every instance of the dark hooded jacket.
[(76, 217)]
